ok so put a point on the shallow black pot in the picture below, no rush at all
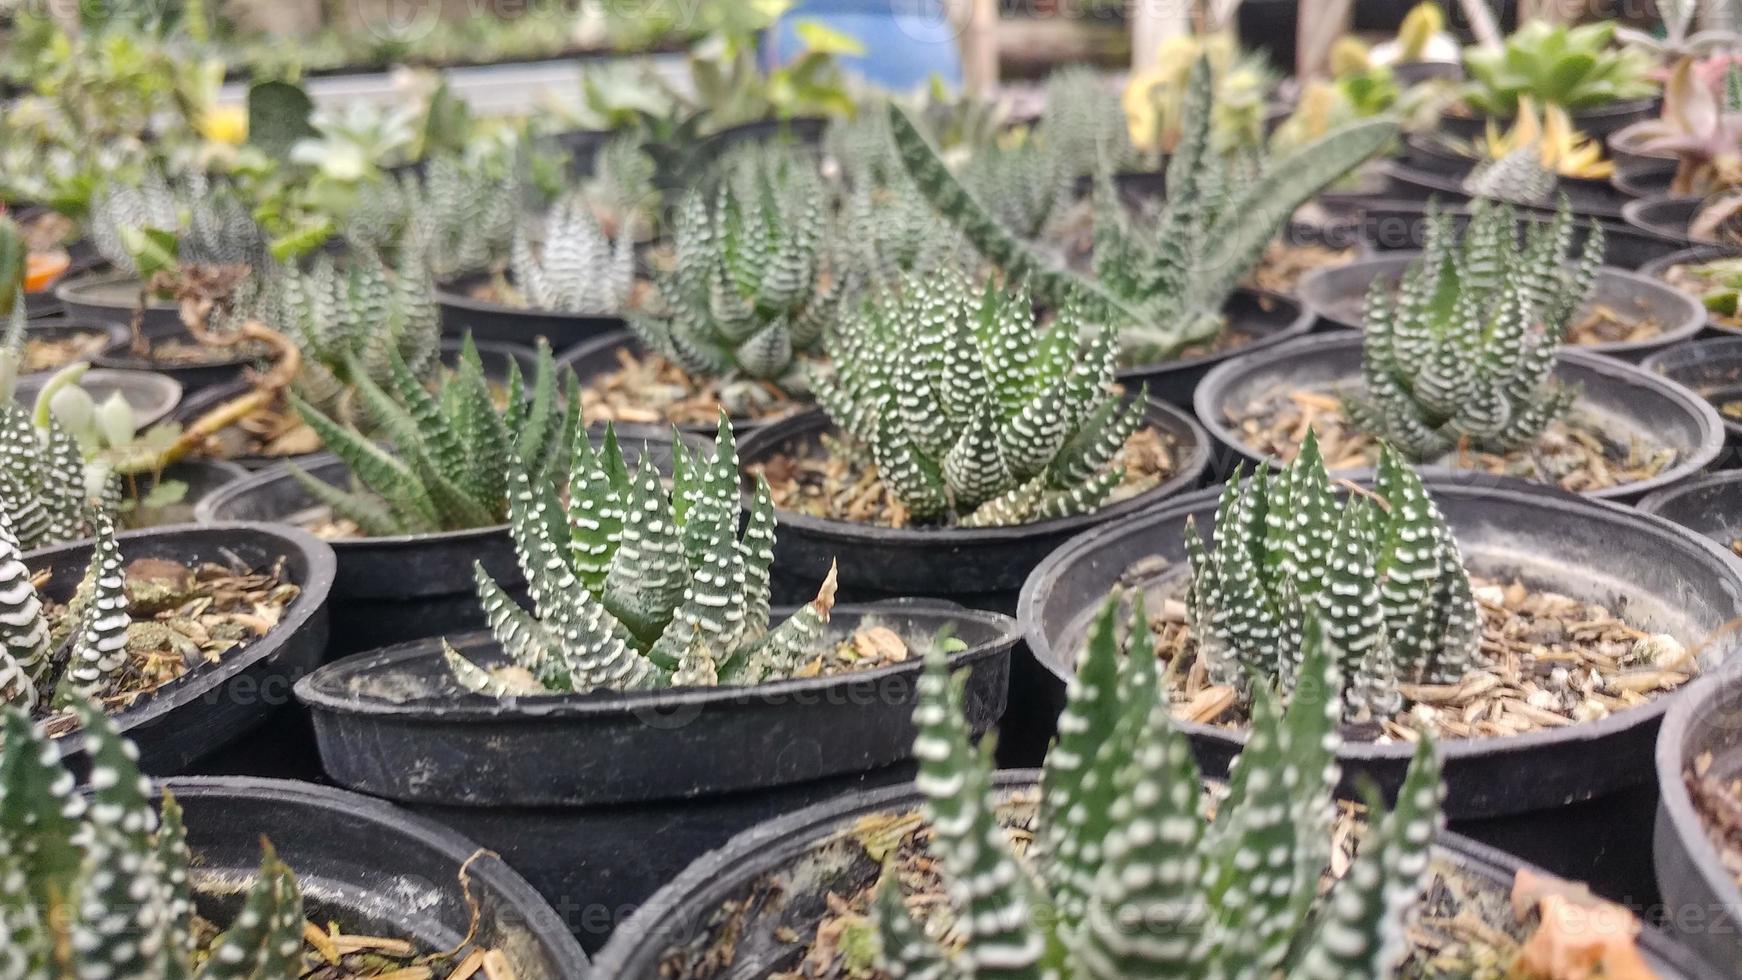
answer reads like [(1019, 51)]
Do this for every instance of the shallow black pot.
[(111, 297), (1514, 791), (193, 377), (151, 395), (1702, 901), (804, 858), (581, 146), (570, 789), (1713, 369), (373, 869), (214, 705), (1666, 217), (1269, 318), (799, 131), (983, 567), (203, 478), (1650, 178), (60, 328), (1597, 122), (1338, 296), (489, 320), (1694, 256), (1709, 504), (598, 357), (1625, 149), (1587, 198), (1629, 399), (494, 356), (1389, 225)]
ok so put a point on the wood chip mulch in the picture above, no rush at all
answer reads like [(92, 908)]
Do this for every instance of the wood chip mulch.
[(1599, 323), (1693, 280), (1284, 263), (184, 617), (1718, 800), (1575, 452), (50, 353), (828, 479), (649, 389), (1546, 661)]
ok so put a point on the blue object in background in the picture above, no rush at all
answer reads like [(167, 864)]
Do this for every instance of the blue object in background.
[(906, 41)]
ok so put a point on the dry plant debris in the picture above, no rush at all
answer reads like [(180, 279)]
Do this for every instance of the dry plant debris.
[(829, 479), (649, 389), (185, 616), (1284, 263), (1599, 323), (1546, 661), (49, 353), (1718, 801), (1576, 453), (1691, 279)]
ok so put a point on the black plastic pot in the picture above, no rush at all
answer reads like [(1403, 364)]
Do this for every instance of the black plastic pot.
[(1709, 504), (492, 321), (1695, 256), (1597, 122), (494, 356), (203, 478), (1702, 901), (1577, 799), (152, 396), (214, 705), (805, 857), (571, 789), (598, 357), (799, 131), (1337, 296), (193, 377), (110, 297), (1587, 198), (1713, 369), (392, 589), (1630, 400), (1268, 318), (581, 146), (373, 869), (1649, 178), (1626, 149), (1389, 225), (52, 328), (1666, 217)]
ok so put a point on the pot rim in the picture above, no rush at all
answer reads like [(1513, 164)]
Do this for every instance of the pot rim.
[(314, 689), (450, 293), (172, 390), (539, 917), (724, 870), (310, 600), (1634, 213), (72, 289), (1302, 322), (1653, 503), (1046, 576), (205, 512), (1710, 446), (770, 436), (1693, 319), (625, 339), (1674, 803)]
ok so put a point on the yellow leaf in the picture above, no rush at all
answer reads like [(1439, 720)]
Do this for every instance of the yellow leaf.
[(823, 39)]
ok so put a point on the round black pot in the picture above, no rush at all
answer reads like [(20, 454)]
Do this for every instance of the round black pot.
[(1586, 198), (1665, 216), (1337, 296), (1702, 901), (491, 321), (1694, 256), (1575, 800), (1389, 225), (1415, 72), (799, 131), (570, 789), (110, 297), (1709, 504), (1649, 178), (1713, 369), (392, 589), (1596, 122), (212, 706), (52, 328), (151, 395), (1628, 398), (1268, 318), (371, 868), (581, 146), (598, 356), (804, 858), (1625, 147), (203, 478), (983, 567), (193, 377), (495, 358)]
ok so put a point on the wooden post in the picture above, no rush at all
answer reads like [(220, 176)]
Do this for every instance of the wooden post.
[(976, 23), (1152, 22), (1321, 23)]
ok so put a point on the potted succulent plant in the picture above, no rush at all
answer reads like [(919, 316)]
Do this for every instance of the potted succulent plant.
[(652, 639), (1171, 295), (1713, 370), (1577, 68), (423, 509), (1392, 225), (1702, 133), (1455, 372), (1461, 605), (1105, 864), (246, 878), (1624, 314)]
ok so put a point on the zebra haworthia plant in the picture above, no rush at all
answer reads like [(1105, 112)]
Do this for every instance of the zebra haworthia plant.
[(970, 412), (756, 276), (86, 656), (43, 484), (1466, 349), (1127, 877), (1385, 578), (447, 468), (207, 222), (1162, 288), (577, 269), (635, 587), (101, 886)]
